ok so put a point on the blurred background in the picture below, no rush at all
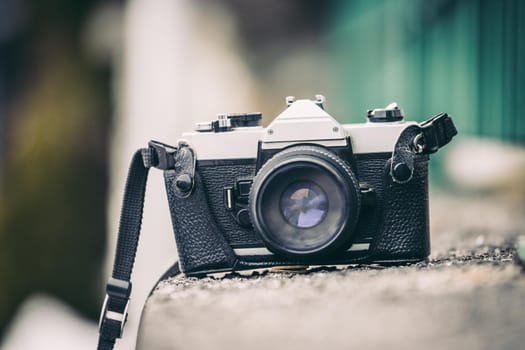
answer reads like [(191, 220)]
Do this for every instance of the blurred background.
[(85, 83)]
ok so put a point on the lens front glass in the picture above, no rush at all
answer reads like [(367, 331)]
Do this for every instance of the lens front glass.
[(304, 204)]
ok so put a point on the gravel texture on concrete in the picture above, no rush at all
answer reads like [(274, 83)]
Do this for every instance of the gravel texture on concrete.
[(470, 295)]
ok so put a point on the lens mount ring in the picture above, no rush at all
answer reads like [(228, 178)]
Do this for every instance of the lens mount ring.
[(314, 183)]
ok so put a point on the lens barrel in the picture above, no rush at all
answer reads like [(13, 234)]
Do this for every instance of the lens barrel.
[(305, 202)]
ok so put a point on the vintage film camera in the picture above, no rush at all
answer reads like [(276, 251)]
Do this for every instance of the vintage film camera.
[(304, 190)]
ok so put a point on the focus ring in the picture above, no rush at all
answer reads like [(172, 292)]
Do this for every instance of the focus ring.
[(272, 162)]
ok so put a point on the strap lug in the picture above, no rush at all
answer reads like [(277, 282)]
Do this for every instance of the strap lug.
[(437, 132), (163, 155)]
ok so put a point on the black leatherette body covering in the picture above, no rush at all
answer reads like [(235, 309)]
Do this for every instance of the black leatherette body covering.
[(404, 231), (200, 243), (215, 178), (397, 226)]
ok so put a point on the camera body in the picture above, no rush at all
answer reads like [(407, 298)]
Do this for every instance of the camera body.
[(304, 190)]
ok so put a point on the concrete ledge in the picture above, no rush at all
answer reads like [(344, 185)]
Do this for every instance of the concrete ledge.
[(470, 295)]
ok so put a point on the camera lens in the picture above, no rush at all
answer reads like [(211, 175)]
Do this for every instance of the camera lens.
[(305, 202)]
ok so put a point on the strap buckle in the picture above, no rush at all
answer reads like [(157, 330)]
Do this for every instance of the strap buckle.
[(436, 133), (115, 308)]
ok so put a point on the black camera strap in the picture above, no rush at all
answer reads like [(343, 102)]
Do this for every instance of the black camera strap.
[(114, 311)]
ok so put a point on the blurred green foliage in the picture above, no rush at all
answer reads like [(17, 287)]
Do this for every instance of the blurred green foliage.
[(54, 160)]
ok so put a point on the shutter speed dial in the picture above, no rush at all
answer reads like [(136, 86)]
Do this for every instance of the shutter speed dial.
[(391, 113)]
